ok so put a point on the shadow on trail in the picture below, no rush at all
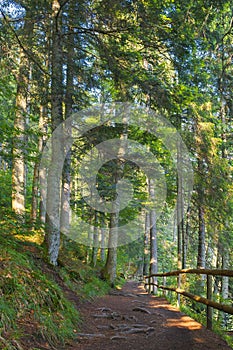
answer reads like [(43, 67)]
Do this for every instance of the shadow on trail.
[(132, 319)]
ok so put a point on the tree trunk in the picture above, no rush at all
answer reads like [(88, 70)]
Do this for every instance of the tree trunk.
[(225, 279), (66, 178), (180, 210), (42, 172), (95, 241), (146, 264), (153, 240), (35, 187), (90, 242), (102, 253), (54, 185), (111, 263), (201, 239), (18, 166), (201, 220)]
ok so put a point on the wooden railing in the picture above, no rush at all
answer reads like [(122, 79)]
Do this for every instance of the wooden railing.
[(206, 301)]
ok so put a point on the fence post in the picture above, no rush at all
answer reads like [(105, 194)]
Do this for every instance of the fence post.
[(209, 308)]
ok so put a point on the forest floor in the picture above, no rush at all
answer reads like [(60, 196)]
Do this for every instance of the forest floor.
[(131, 319)]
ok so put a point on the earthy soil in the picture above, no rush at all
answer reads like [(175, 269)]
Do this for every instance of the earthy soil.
[(132, 319)]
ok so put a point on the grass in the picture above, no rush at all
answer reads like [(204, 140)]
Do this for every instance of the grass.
[(32, 303), (30, 296)]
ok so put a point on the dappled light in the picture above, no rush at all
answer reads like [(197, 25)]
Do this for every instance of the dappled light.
[(116, 159), (183, 322)]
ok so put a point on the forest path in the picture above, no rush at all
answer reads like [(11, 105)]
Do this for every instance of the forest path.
[(130, 319)]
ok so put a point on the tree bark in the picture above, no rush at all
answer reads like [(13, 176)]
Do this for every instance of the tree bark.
[(54, 183), (146, 264), (102, 253), (42, 172), (153, 240), (201, 221), (201, 239), (111, 263), (95, 241), (66, 177), (18, 164)]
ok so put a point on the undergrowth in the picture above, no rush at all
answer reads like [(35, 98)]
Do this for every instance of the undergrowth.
[(32, 303), (28, 296)]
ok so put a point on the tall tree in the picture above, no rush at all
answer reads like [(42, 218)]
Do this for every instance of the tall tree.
[(54, 185), (21, 111)]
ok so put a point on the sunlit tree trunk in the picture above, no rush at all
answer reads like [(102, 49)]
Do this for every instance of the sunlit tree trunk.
[(225, 279), (18, 164)]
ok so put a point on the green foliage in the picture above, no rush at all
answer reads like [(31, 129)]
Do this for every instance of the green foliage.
[(79, 277), (30, 295), (95, 287), (5, 194), (172, 56)]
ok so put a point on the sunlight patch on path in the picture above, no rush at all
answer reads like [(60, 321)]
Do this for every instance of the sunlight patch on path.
[(183, 322)]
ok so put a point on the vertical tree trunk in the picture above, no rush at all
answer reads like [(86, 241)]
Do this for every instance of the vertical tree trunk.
[(225, 279), (95, 241), (111, 263), (42, 172), (90, 242), (54, 183), (66, 178), (35, 186), (146, 264), (153, 240), (180, 210), (187, 229), (225, 284), (201, 220), (18, 167), (201, 239), (102, 252)]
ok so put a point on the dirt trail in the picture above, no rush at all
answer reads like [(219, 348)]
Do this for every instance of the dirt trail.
[(131, 319)]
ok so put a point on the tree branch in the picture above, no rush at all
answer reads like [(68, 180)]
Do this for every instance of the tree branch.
[(100, 31), (29, 54), (229, 30)]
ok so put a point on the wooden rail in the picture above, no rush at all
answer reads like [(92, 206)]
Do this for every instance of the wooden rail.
[(206, 301)]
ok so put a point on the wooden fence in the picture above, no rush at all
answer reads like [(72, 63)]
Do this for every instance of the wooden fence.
[(209, 288)]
